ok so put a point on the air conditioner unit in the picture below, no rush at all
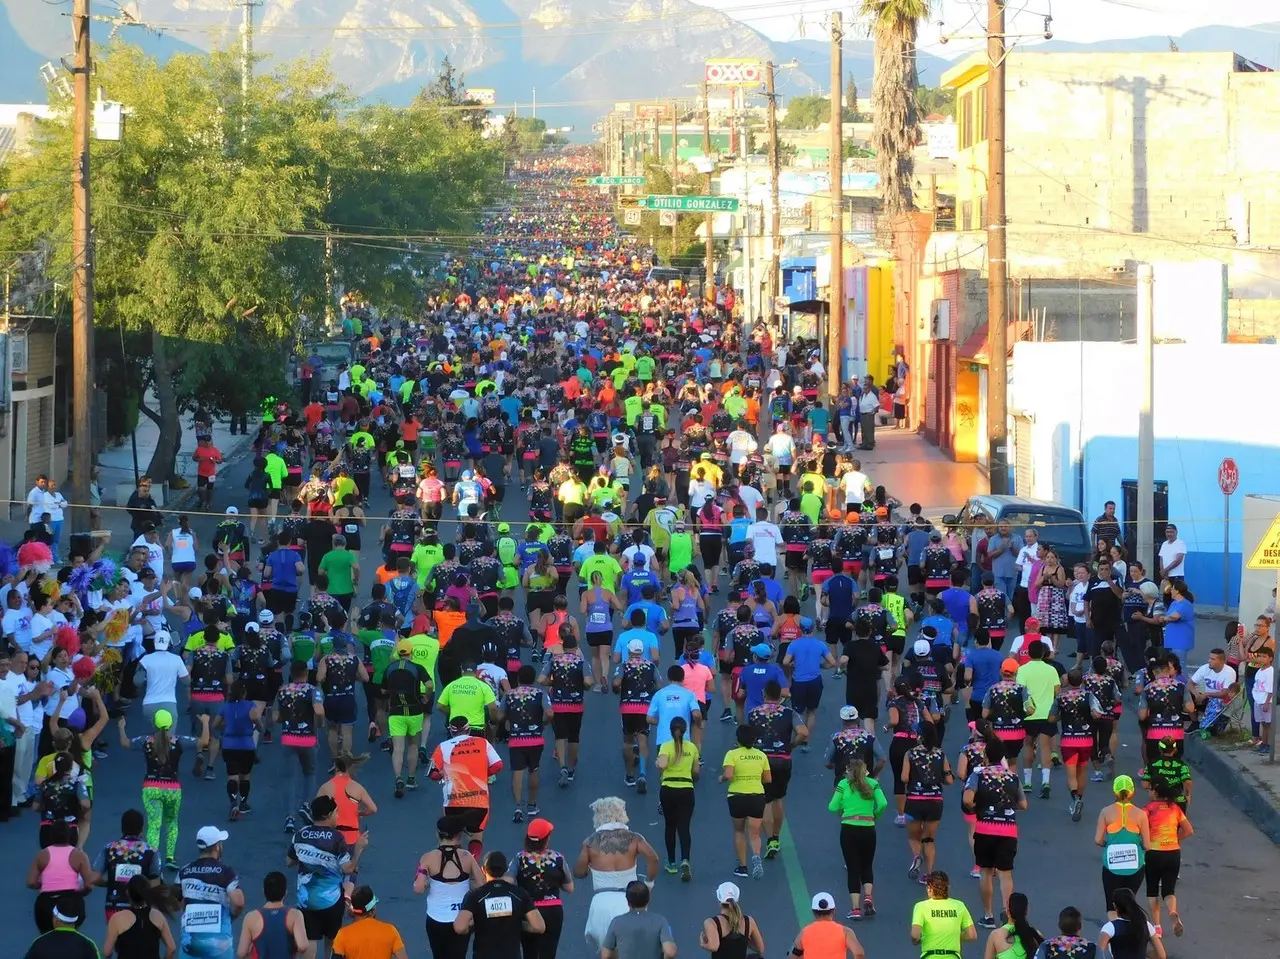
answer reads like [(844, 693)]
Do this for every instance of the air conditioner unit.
[(940, 320)]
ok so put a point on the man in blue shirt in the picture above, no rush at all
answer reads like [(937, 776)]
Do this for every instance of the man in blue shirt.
[(639, 632), (956, 600), (981, 671), (655, 617), (838, 596), (807, 655), (754, 676), (281, 569), (670, 701), (637, 578), (773, 590)]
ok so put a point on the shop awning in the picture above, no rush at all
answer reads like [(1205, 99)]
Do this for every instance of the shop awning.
[(975, 347)]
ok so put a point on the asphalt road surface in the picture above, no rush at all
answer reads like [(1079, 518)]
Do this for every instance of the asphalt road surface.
[(1227, 865)]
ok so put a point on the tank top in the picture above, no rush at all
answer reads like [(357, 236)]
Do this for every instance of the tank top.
[(1122, 852), (823, 940), (142, 939), (348, 809), (184, 547), (444, 896), (552, 635), (599, 618), (274, 942), (686, 614), (733, 944), (1015, 950), (59, 875)]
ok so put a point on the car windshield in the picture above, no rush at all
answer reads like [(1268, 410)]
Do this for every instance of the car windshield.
[(331, 354), (1055, 528)]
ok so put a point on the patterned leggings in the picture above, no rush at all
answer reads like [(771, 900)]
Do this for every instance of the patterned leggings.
[(161, 807)]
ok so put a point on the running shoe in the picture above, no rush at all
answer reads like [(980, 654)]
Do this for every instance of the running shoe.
[(629, 781), (975, 873), (198, 769), (1055, 759), (571, 772), (772, 849), (1097, 777), (672, 868), (1077, 809), (373, 732), (757, 867), (235, 810), (304, 813), (99, 752), (641, 786), (423, 756), (210, 775), (171, 865), (868, 907), (517, 815), (987, 922), (1044, 790), (411, 782), (399, 789), (244, 807), (1178, 927), (564, 776), (531, 810), (686, 873), (267, 737), (923, 879), (854, 914), (913, 871), (726, 716), (385, 745), (900, 820), (289, 825), (740, 872), (1026, 786), (804, 747)]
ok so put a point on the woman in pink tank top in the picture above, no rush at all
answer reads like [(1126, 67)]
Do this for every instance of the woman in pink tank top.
[(58, 869)]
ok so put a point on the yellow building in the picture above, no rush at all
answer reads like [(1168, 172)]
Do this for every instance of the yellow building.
[(969, 80)]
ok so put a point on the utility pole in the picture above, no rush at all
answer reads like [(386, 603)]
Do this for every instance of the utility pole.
[(997, 259), (246, 50), (82, 274), (835, 310), (1146, 416), (675, 166), (775, 215), (709, 265)]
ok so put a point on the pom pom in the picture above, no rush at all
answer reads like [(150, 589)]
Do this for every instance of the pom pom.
[(8, 560), (77, 720), (67, 638), (117, 624), (81, 581), (83, 669), (35, 556), (51, 588)]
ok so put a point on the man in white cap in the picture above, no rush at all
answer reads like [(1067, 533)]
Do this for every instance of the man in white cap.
[(161, 670), (854, 742), (211, 898), (824, 938)]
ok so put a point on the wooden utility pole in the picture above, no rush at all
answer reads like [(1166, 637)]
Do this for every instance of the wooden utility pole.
[(709, 280), (775, 216), (997, 258), (675, 166), (835, 310), (82, 274)]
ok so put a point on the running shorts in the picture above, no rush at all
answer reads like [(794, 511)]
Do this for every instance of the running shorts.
[(324, 923), (780, 779), (567, 726), (635, 724), (923, 810), (994, 852), (473, 818), (746, 806), (525, 757), (405, 726)]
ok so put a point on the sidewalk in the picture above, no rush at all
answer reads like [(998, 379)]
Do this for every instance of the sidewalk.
[(915, 471), (1244, 778)]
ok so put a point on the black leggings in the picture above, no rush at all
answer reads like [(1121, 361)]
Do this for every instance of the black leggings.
[(681, 635), (545, 945), (858, 845), (677, 812), (899, 746), (444, 942)]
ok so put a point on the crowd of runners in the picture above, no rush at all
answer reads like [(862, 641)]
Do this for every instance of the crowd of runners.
[(702, 546)]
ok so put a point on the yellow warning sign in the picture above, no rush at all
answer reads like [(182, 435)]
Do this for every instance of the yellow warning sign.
[(1267, 554)]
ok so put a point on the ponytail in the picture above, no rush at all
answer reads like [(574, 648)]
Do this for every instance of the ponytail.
[(733, 913), (857, 777), (678, 727), (1023, 931)]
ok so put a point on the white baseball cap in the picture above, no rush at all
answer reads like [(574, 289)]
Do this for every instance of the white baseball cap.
[(232, 511), (210, 836), (160, 641), (728, 892), (921, 648), (195, 592), (266, 617), (635, 646), (823, 902), (849, 713)]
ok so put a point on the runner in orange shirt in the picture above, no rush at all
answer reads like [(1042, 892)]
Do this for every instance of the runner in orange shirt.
[(464, 765)]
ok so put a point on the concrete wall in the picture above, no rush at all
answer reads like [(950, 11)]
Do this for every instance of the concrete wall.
[(1083, 400), (1260, 511)]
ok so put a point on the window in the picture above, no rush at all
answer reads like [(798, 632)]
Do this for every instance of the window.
[(980, 114), (966, 121), (17, 351), (982, 212), (966, 215)]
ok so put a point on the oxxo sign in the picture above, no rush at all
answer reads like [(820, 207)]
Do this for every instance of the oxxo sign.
[(733, 73)]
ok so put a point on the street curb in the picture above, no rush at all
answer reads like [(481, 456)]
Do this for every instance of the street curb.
[(185, 497), (1229, 779)]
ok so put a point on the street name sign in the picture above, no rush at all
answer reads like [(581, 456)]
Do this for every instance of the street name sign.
[(691, 204)]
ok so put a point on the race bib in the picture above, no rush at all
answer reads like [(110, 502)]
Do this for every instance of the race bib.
[(351, 528), (127, 870), (597, 618), (499, 907), (885, 553), (202, 917), (1122, 857)]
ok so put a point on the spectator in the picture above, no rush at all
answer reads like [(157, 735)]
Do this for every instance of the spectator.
[(1264, 694), (142, 508), (1214, 680), (1106, 526), (37, 499), (638, 933), (1172, 556)]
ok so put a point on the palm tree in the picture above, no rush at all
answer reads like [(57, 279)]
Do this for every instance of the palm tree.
[(894, 27)]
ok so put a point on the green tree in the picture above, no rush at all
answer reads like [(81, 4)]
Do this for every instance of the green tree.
[(448, 89), (529, 135), (895, 26), (940, 100), (807, 112)]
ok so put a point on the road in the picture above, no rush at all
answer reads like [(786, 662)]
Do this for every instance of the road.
[(1225, 865)]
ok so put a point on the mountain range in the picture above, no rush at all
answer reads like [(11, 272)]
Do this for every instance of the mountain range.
[(580, 56)]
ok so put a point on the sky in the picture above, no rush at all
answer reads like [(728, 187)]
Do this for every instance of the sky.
[(1076, 20)]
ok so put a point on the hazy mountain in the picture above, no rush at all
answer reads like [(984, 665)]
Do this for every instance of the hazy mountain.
[(613, 50)]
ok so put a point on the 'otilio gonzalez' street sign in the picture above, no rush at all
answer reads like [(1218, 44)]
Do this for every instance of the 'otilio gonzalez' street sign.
[(691, 204)]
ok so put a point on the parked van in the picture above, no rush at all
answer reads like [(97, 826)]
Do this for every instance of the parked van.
[(1058, 526)]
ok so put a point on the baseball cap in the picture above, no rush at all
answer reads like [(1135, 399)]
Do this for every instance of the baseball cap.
[(404, 648), (160, 641), (539, 829), (252, 627), (195, 592), (921, 647), (1032, 623), (459, 723), (728, 892), (635, 646), (638, 559), (823, 902), (504, 527), (210, 836), (849, 713), (806, 623), (266, 617), (163, 719), (232, 511), (1122, 784), (1010, 665), (761, 649)]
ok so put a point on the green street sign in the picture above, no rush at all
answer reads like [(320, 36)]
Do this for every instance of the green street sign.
[(616, 181), (691, 204)]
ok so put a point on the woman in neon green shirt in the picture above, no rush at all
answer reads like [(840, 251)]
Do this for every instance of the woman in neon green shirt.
[(940, 924), (746, 770), (1016, 939), (859, 800), (679, 762)]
